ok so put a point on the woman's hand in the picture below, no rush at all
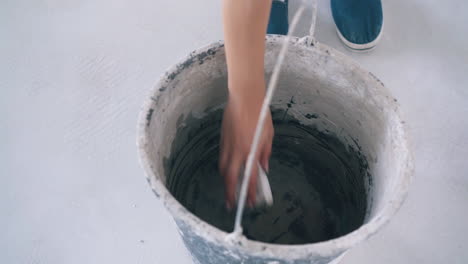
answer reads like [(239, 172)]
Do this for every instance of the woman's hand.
[(238, 128), (244, 23)]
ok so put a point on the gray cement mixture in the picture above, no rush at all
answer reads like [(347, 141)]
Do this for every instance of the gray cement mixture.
[(318, 182)]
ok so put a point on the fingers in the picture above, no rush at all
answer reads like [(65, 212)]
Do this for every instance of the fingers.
[(223, 165), (231, 174), (265, 157), (251, 194)]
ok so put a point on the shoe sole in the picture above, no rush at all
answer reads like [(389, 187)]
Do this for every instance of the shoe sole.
[(360, 47)]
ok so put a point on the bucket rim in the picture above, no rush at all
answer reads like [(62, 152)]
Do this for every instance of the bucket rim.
[(212, 234)]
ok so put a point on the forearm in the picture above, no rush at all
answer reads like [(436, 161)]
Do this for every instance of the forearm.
[(245, 23)]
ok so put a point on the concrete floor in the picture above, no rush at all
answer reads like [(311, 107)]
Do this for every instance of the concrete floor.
[(73, 75)]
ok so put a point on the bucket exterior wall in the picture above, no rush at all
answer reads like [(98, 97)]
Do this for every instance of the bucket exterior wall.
[(209, 252), (353, 104)]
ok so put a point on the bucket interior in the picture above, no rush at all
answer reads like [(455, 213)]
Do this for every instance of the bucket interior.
[(332, 167), (318, 182)]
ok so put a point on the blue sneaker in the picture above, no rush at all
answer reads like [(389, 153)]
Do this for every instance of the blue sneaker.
[(278, 22), (359, 23)]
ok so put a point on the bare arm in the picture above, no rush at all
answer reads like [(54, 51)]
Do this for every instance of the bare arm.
[(245, 23)]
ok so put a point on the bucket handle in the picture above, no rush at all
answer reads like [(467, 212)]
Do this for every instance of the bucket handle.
[(310, 39), (237, 232)]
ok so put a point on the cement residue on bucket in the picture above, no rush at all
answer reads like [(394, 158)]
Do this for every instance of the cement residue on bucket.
[(318, 182), (325, 92)]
